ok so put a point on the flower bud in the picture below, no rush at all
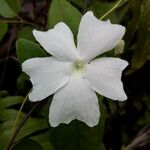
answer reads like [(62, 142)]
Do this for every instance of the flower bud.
[(119, 48)]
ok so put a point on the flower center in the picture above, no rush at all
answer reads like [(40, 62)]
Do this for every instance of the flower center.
[(78, 65)]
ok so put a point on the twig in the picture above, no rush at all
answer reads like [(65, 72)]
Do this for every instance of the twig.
[(112, 9), (85, 6), (21, 21), (142, 139)]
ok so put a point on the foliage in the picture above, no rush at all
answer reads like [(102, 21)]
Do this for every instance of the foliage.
[(9, 9), (123, 119), (68, 14)]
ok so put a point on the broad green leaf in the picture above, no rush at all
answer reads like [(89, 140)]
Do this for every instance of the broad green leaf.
[(10, 100), (61, 10), (14, 5), (27, 144), (26, 33), (31, 126), (9, 8), (44, 140), (78, 136), (8, 114), (3, 29), (27, 49)]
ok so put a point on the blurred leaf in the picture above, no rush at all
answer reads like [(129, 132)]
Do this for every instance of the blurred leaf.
[(10, 100), (3, 29), (44, 111), (31, 126), (136, 7), (15, 5), (27, 144), (27, 49), (100, 8), (142, 50), (3, 94), (8, 114), (9, 8), (21, 82), (79, 3), (78, 136), (44, 140), (26, 33), (61, 10), (132, 25)]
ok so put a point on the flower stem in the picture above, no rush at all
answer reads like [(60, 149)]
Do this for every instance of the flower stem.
[(9, 147), (18, 115), (18, 22), (112, 9)]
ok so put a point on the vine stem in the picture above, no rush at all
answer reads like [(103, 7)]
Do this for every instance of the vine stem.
[(18, 22), (18, 115), (85, 6), (10, 144), (112, 9)]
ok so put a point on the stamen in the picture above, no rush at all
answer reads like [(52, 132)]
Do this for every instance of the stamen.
[(78, 65)]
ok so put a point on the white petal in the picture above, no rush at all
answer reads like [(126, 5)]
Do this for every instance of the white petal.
[(96, 37), (76, 100), (47, 76), (58, 42), (105, 76)]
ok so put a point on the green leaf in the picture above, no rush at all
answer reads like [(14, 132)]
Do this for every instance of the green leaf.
[(26, 33), (3, 94), (27, 144), (31, 126), (44, 140), (27, 49), (8, 114), (79, 3), (21, 82), (14, 5), (100, 8), (3, 29), (10, 100), (142, 51), (9, 8), (61, 10), (78, 136)]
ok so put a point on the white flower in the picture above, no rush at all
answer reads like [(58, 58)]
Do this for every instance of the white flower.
[(72, 74)]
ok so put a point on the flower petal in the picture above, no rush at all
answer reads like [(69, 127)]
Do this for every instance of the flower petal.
[(105, 76), (76, 100), (58, 42), (47, 76), (96, 37)]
